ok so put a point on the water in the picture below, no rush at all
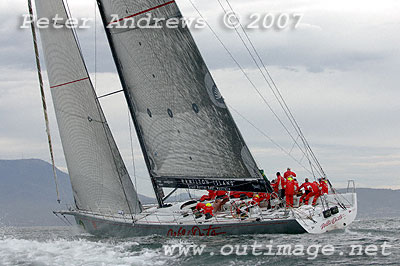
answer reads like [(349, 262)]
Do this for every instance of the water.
[(70, 246)]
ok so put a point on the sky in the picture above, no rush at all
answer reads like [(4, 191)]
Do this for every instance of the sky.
[(338, 72)]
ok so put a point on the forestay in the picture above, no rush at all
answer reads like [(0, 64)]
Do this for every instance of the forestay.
[(187, 133), (98, 175)]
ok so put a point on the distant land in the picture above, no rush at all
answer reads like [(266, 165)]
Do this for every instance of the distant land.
[(27, 195)]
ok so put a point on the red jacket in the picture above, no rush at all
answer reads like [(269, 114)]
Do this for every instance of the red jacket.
[(200, 206), (208, 209), (280, 182), (291, 187), (257, 200), (211, 195), (236, 194), (315, 187), (306, 186), (249, 194), (289, 173), (275, 187), (323, 184), (221, 192)]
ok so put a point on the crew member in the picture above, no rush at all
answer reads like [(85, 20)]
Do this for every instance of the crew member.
[(236, 194), (257, 199), (323, 185), (274, 186), (314, 193), (221, 194), (249, 194), (211, 195), (290, 189), (289, 173), (307, 189), (208, 210), (280, 182)]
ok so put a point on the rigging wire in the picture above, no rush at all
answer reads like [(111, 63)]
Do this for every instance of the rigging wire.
[(44, 104), (265, 78), (269, 138), (243, 71), (276, 92), (248, 78)]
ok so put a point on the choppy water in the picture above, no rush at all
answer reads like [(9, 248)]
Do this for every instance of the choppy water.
[(70, 246)]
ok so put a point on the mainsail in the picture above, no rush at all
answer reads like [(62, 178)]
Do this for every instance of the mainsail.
[(186, 131), (99, 179)]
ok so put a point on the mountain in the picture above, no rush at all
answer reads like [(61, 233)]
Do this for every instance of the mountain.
[(27, 195)]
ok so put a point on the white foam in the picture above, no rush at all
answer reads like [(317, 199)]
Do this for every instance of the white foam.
[(76, 252)]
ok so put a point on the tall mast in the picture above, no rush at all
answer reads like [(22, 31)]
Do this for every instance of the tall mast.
[(44, 104)]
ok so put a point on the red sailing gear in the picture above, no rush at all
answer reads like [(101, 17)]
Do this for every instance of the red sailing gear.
[(208, 209), (289, 173), (257, 199), (307, 187), (323, 184), (236, 194), (222, 194), (264, 196), (314, 193), (290, 189), (280, 182), (275, 187), (211, 195), (200, 206), (249, 194)]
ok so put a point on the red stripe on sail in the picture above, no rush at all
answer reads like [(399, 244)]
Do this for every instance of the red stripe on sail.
[(68, 83), (142, 12)]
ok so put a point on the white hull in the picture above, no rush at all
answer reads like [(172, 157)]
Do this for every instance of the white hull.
[(174, 221)]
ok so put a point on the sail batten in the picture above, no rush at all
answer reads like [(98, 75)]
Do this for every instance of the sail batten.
[(99, 178), (185, 127)]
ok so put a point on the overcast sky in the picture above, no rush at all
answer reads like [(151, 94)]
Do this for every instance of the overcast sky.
[(338, 71)]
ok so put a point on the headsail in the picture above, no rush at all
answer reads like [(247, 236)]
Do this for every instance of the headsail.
[(187, 133), (99, 179)]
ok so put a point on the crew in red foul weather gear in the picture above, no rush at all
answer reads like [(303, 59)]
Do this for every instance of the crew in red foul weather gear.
[(208, 210), (236, 194), (307, 189), (274, 186), (257, 199), (323, 185), (289, 173), (200, 206), (290, 189), (211, 195), (314, 193), (280, 182), (221, 194)]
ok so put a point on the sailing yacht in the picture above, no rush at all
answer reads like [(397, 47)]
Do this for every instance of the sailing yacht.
[(186, 132)]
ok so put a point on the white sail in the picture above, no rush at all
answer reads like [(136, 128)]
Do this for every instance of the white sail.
[(187, 132), (98, 175)]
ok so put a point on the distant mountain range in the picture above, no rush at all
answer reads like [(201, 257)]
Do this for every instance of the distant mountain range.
[(27, 195)]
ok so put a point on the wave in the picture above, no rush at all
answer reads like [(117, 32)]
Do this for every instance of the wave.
[(76, 252)]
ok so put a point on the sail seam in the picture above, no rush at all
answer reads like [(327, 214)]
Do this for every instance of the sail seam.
[(142, 12), (55, 86)]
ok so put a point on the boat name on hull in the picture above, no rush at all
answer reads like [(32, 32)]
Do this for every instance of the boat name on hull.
[(196, 231), (332, 221)]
